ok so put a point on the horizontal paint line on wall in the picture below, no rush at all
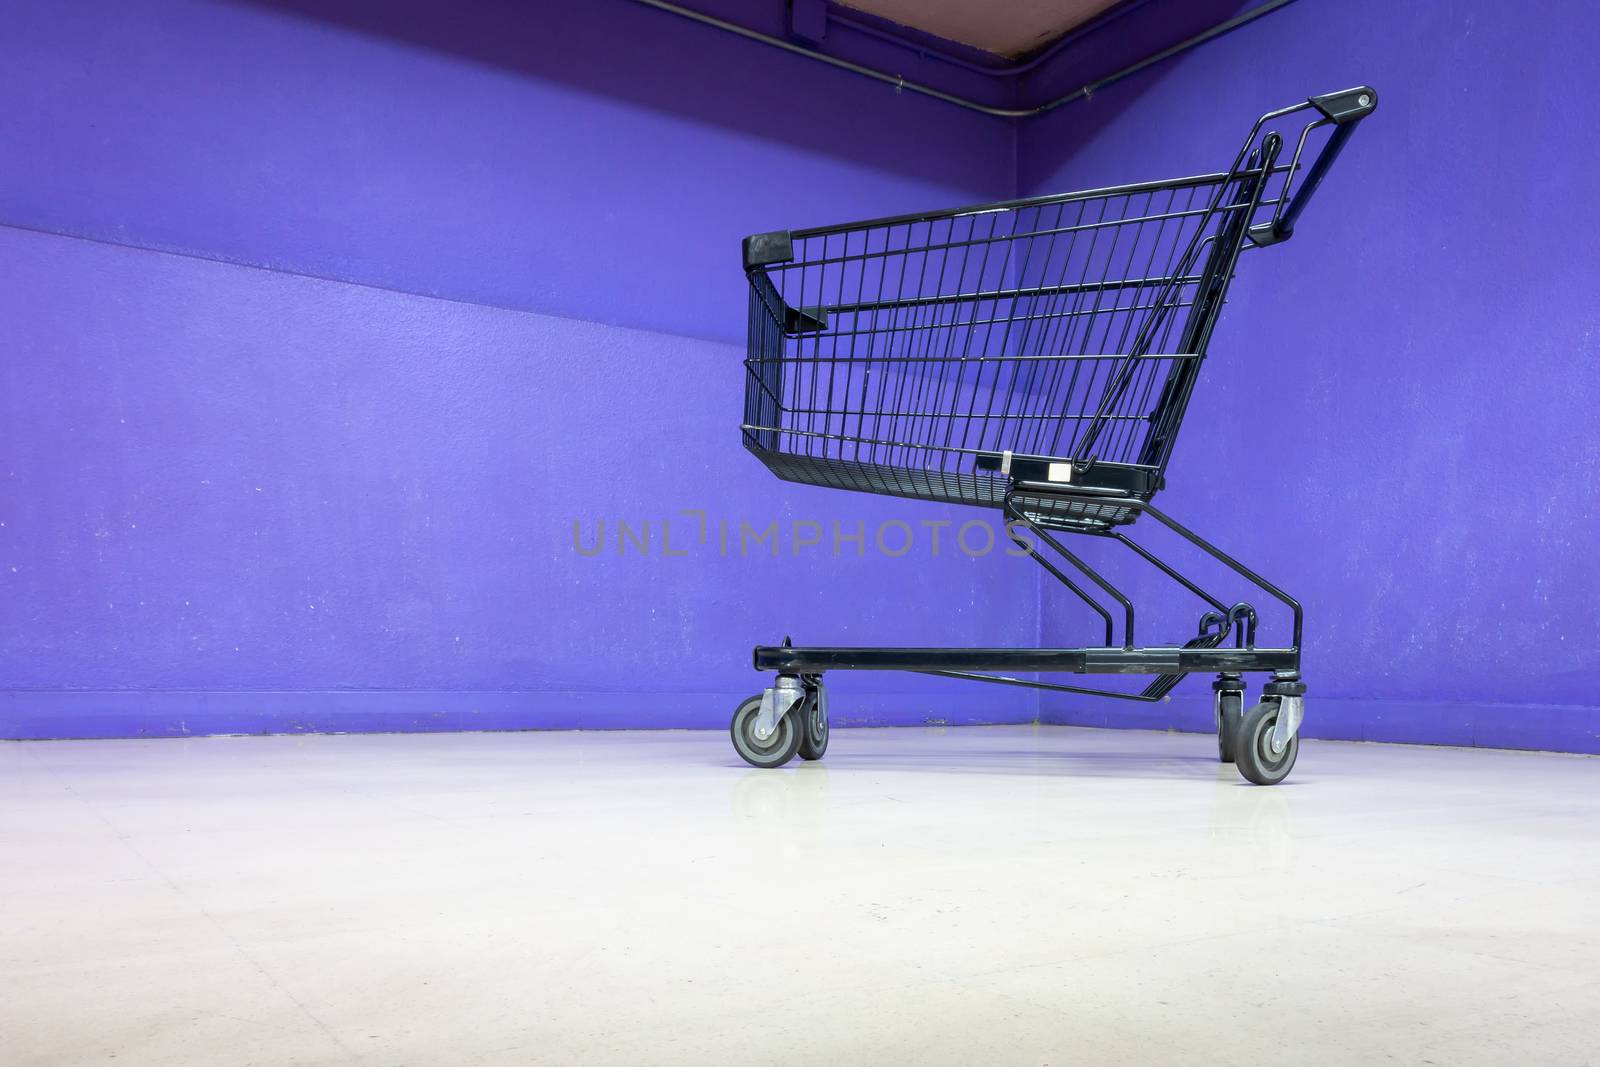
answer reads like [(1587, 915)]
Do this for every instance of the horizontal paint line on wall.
[(334, 279), (46, 714), (1465, 724)]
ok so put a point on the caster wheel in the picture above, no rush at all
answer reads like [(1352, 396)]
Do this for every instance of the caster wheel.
[(1231, 709), (774, 751), (1253, 747), (813, 720)]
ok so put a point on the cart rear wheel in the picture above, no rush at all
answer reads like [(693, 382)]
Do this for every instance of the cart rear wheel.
[(774, 751), (813, 719), (1231, 706), (1253, 746)]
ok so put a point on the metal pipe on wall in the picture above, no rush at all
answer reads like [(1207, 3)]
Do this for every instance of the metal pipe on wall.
[(1006, 70), (900, 83)]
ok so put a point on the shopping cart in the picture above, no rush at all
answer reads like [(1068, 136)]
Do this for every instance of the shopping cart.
[(1034, 356)]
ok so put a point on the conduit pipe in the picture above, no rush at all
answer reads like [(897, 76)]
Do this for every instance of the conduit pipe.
[(901, 84), (1002, 70)]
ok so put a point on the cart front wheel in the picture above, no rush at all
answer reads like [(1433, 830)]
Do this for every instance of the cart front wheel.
[(773, 751), (813, 719), (1230, 709), (1253, 747)]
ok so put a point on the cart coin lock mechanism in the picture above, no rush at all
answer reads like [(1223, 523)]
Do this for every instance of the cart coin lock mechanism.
[(1034, 356)]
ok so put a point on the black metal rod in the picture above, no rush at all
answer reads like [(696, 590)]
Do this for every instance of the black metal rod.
[(1159, 660), (1033, 683), (1093, 575), (1006, 238), (1234, 565), (1168, 570), (1019, 204), (807, 359), (1283, 226), (1007, 294), (1061, 577), (1226, 251), (1188, 535)]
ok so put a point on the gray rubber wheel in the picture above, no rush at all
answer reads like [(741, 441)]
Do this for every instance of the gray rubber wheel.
[(1228, 728), (813, 728), (1252, 748), (776, 750)]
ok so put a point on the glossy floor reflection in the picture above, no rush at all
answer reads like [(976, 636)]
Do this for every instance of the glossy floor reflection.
[(977, 895)]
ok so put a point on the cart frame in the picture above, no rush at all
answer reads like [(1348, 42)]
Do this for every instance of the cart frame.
[(1080, 493)]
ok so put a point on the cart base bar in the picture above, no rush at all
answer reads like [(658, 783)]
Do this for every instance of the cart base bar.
[(1162, 660)]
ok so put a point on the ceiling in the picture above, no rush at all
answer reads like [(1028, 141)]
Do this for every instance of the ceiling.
[(1004, 27)]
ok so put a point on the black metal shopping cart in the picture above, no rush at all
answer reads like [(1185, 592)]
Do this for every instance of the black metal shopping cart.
[(1034, 356)]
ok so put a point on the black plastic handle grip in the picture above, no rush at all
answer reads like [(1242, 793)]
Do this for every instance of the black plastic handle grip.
[(1344, 109)]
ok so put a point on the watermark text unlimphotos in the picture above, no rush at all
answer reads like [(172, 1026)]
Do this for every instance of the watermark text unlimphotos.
[(693, 531)]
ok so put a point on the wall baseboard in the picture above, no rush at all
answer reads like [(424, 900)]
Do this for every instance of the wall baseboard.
[(42, 714), (1535, 727)]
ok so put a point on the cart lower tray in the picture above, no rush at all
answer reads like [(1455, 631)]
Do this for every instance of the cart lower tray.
[(977, 487)]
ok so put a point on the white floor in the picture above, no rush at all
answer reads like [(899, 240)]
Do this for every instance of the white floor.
[(973, 896)]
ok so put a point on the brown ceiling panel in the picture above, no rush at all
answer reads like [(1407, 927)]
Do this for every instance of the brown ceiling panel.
[(1004, 27)]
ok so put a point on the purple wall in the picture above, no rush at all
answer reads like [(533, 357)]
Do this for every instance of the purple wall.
[(596, 160), (1398, 418), (224, 482), (322, 320), (306, 497)]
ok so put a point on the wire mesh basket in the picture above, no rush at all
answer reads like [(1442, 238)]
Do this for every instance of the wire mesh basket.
[(946, 355)]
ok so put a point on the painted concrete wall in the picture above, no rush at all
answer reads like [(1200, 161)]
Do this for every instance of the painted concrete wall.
[(1397, 419), (595, 160), (467, 294), (323, 321)]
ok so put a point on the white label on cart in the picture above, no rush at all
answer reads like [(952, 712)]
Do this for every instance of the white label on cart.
[(1060, 472)]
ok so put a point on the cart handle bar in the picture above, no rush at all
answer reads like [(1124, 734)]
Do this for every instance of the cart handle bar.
[(1343, 110)]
